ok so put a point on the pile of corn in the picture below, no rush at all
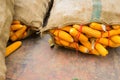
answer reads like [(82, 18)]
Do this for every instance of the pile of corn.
[(93, 38), (18, 32)]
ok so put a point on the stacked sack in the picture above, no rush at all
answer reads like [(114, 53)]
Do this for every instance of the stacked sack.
[(89, 26)]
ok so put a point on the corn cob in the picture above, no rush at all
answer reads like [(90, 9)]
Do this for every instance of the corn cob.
[(83, 49), (66, 28), (106, 42), (89, 31), (116, 39), (98, 26), (101, 49), (116, 27), (18, 33), (62, 35), (78, 35), (111, 33), (11, 48), (62, 42), (88, 45), (16, 27)]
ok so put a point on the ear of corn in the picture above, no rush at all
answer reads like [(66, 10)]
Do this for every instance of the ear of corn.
[(66, 28), (18, 33), (78, 35), (11, 48), (89, 31), (87, 44), (95, 52), (16, 27), (111, 33), (116, 27), (83, 49), (116, 39), (101, 49), (98, 26), (106, 42), (62, 35)]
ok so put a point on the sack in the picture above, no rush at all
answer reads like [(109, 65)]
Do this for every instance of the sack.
[(69, 12), (31, 12), (6, 14), (76, 24)]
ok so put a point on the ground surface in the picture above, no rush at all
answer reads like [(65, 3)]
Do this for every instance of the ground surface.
[(35, 60)]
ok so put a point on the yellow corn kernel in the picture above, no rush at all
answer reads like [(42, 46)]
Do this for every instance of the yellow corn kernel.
[(101, 49), (62, 35), (89, 31), (116, 39), (75, 33)]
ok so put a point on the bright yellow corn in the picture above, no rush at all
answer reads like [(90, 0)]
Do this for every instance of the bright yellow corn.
[(62, 35), (116, 39), (116, 27), (101, 49), (89, 31), (16, 27), (11, 48), (83, 49), (66, 28), (18, 33), (62, 42), (78, 35), (111, 33), (98, 26)]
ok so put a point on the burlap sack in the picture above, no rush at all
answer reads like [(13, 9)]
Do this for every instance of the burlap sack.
[(6, 14), (31, 12), (68, 12)]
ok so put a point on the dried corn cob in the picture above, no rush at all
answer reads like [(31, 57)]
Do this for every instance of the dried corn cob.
[(111, 33), (116, 39), (78, 35), (101, 49), (18, 33), (62, 35), (116, 27), (16, 27), (98, 26), (89, 31), (66, 28)]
